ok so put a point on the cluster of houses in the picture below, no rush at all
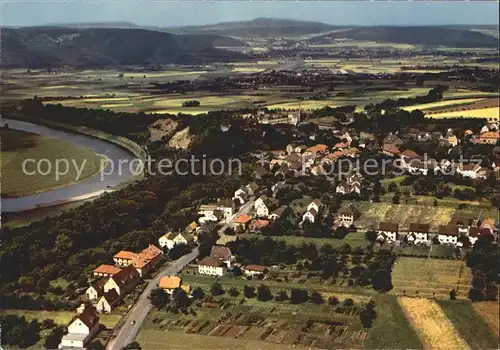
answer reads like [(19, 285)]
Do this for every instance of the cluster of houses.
[(113, 282), (221, 260), (420, 233)]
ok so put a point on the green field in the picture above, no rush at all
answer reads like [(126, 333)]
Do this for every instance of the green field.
[(354, 239), (391, 329), (60, 317), (18, 146), (471, 327), (428, 276)]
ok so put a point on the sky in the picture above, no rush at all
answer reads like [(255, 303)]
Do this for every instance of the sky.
[(178, 13)]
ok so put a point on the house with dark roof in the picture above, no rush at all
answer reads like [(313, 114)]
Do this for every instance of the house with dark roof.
[(419, 233), (388, 232), (348, 215), (108, 301), (393, 139), (81, 329), (211, 266), (223, 254), (280, 213), (448, 234), (259, 172), (96, 289), (124, 281)]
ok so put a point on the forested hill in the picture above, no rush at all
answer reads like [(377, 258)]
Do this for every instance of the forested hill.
[(414, 35), (259, 27), (44, 47)]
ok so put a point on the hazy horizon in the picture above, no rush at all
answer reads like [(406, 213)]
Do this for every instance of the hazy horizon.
[(174, 14)]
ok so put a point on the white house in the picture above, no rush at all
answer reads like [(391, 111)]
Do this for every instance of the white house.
[(240, 195), (81, 329), (123, 282), (108, 301), (470, 170), (171, 239), (226, 205), (388, 231), (211, 266), (310, 215), (448, 234), (419, 233), (96, 289), (261, 208), (348, 215), (315, 204), (254, 270)]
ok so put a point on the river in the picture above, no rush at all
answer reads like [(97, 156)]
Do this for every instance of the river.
[(90, 187)]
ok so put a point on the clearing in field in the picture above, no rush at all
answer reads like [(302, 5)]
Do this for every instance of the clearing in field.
[(17, 146), (493, 112), (431, 324), (471, 327), (428, 276), (490, 312), (404, 214)]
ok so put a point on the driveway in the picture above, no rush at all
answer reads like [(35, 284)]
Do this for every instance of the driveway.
[(138, 313)]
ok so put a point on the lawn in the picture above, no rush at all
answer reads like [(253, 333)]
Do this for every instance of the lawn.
[(490, 312), (17, 146), (470, 325), (154, 339), (391, 329), (428, 276), (354, 239), (433, 327), (493, 112), (60, 317)]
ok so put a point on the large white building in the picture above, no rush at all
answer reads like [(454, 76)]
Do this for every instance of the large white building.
[(211, 266), (81, 329)]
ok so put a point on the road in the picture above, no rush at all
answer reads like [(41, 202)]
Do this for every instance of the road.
[(138, 313), (244, 209)]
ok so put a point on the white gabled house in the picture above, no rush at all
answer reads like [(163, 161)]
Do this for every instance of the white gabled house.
[(388, 232), (448, 234), (261, 209), (81, 329), (419, 233)]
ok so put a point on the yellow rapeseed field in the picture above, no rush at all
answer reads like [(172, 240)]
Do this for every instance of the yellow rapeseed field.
[(431, 324)]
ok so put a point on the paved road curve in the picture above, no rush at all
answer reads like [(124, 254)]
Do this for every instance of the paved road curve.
[(138, 313)]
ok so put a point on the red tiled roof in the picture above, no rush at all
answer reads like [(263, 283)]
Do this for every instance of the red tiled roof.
[(107, 269), (243, 219), (258, 268), (125, 254)]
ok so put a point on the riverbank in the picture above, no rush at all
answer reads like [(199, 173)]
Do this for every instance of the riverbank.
[(20, 179), (116, 149)]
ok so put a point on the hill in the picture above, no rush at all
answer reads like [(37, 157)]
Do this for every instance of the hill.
[(259, 27), (414, 35), (51, 47)]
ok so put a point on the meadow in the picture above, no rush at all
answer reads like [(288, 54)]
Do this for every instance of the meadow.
[(469, 324), (430, 277), (17, 146)]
